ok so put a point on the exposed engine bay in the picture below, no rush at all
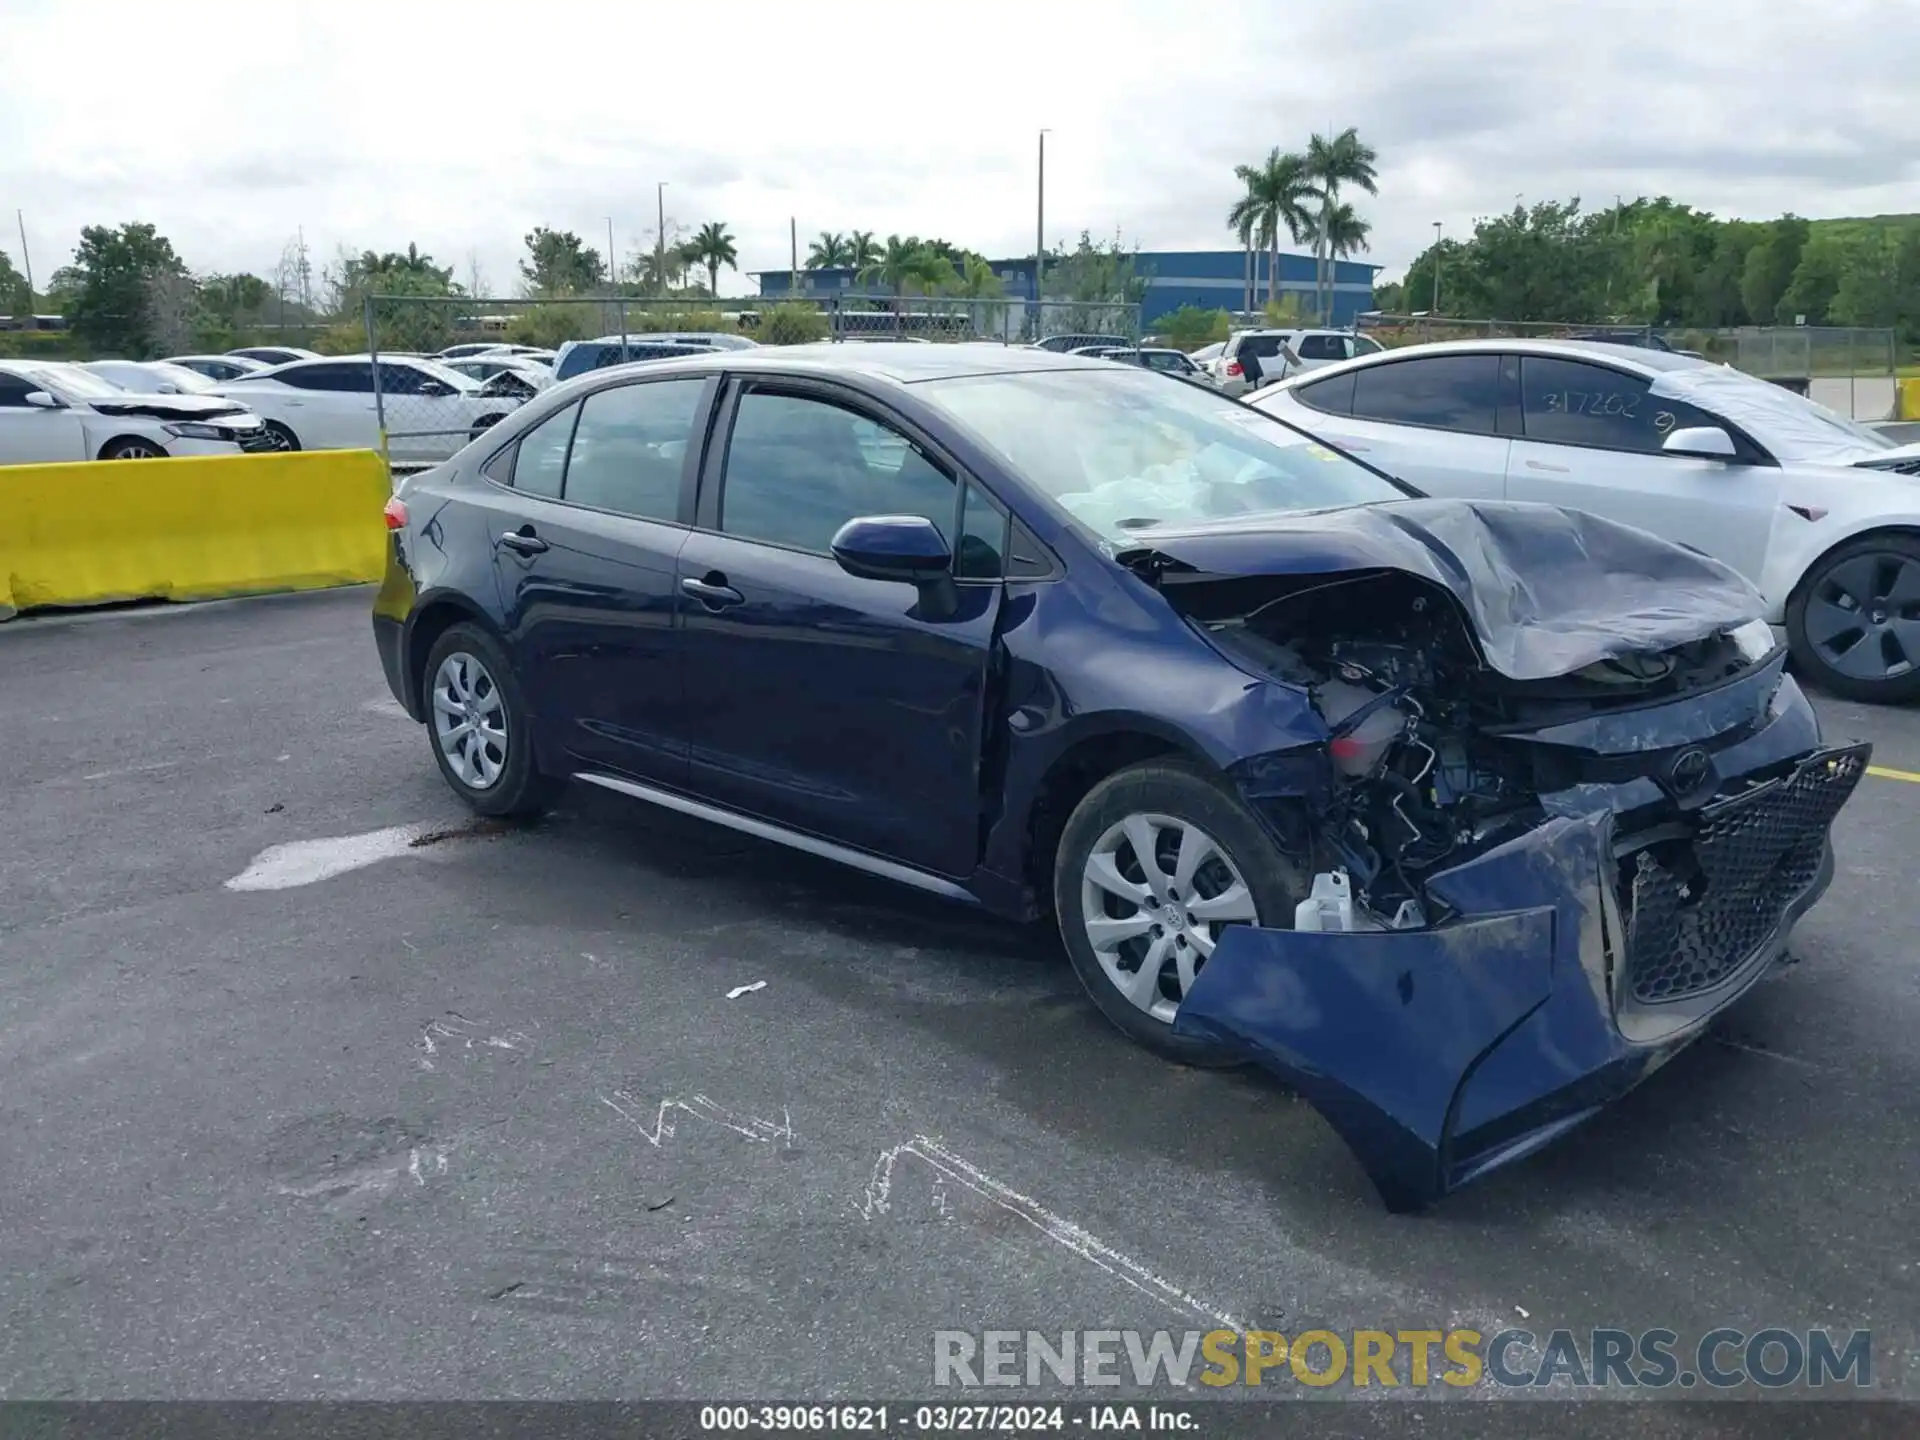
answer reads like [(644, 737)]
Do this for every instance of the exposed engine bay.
[(1426, 746)]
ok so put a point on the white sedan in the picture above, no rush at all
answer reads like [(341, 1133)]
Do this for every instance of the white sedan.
[(52, 412), (1820, 512), (329, 404)]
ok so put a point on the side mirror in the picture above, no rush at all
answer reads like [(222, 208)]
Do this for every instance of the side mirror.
[(41, 400), (1704, 442), (435, 388), (906, 548)]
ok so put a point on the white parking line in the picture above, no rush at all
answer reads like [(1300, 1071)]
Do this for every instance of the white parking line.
[(307, 862)]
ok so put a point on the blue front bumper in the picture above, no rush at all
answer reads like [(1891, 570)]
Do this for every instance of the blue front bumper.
[(1572, 963)]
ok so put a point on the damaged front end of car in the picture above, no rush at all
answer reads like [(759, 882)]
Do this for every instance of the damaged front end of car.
[(1567, 807)]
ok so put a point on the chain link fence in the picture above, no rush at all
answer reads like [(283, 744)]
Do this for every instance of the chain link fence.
[(419, 420), (1852, 370)]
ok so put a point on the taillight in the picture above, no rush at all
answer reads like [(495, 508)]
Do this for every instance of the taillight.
[(396, 513), (1233, 367)]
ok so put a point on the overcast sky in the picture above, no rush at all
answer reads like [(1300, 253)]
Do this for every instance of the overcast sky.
[(459, 127)]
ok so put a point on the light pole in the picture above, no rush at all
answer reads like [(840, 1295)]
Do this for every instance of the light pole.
[(1436, 269), (1040, 233), (660, 236), (613, 285), (613, 276)]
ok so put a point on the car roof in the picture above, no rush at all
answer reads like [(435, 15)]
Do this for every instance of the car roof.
[(1629, 357), (904, 364)]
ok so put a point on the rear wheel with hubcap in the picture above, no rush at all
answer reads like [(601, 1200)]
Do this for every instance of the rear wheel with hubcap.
[(1854, 622), (477, 719), (1154, 864)]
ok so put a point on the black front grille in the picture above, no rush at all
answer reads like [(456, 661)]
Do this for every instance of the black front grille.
[(1698, 908), (253, 441)]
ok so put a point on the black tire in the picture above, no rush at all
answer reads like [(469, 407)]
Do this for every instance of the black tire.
[(283, 438), (519, 790), (1184, 793), (129, 448), (1813, 660)]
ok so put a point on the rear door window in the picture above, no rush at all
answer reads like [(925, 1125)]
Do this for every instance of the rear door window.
[(540, 464), (1441, 392), (1567, 402), (1322, 347), (630, 448)]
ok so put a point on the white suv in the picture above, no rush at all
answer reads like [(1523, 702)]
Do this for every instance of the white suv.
[(1277, 354)]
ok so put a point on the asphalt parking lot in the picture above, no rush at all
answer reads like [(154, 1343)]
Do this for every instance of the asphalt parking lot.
[(444, 1111)]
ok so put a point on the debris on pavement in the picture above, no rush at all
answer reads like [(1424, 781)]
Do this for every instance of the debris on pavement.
[(739, 990)]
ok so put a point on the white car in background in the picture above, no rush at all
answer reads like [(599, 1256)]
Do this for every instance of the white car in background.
[(328, 403), (1278, 354), (150, 377), (511, 376), (1820, 512), (217, 367), (51, 412), (274, 354)]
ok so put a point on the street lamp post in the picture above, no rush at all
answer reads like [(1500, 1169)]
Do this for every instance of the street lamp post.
[(1040, 233), (1436, 269), (660, 237)]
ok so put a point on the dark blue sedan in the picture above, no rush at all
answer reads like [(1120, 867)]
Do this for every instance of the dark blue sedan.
[(1461, 816)]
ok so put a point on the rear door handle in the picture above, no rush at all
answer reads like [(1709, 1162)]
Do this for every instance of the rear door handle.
[(1542, 465), (523, 542), (708, 593)]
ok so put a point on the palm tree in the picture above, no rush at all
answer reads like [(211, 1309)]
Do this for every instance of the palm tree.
[(976, 279), (1331, 163), (1340, 232), (830, 251), (862, 252), (712, 247), (1246, 222), (1278, 194)]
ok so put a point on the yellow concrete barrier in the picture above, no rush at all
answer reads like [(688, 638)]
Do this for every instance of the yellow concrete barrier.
[(191, 528), (1909, 406)]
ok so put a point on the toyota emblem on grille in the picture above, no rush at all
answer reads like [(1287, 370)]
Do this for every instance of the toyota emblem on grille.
[(1689, 771)]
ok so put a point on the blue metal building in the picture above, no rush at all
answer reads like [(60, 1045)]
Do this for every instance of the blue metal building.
[(1209, 279)]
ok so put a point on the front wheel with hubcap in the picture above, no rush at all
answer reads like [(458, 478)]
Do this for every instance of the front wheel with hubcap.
[(1154, 864), (133, 449), (478, 722), (1854, 623)]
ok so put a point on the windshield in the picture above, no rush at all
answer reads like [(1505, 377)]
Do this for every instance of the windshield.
[(72, 380), (189, 382), (1122, 449), (451, 376), (1789, 425)]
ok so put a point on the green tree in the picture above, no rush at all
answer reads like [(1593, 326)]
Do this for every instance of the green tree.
[(1770, 266), (1816, 282), (829, 251), (1340, 232), (1332, 164), (109, 305), (975, 279), (1190, 327), (712, 246), (1096, 273), (559, 263), (863, 251), (15, 298), (1279, 194), (904, 263)]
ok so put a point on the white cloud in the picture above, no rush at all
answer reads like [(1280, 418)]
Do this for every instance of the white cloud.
[(460, 127)]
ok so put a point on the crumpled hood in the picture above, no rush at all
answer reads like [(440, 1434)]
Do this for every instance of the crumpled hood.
[(168, 407), (1546, 591)]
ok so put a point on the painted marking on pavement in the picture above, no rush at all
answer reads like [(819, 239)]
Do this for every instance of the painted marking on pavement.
[(947, 1166), (1910, 776), (750, 1127), (307, 862)]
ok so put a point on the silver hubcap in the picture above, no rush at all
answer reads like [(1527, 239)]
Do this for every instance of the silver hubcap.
[(136, 451), (1156, 893), (469, 720)]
